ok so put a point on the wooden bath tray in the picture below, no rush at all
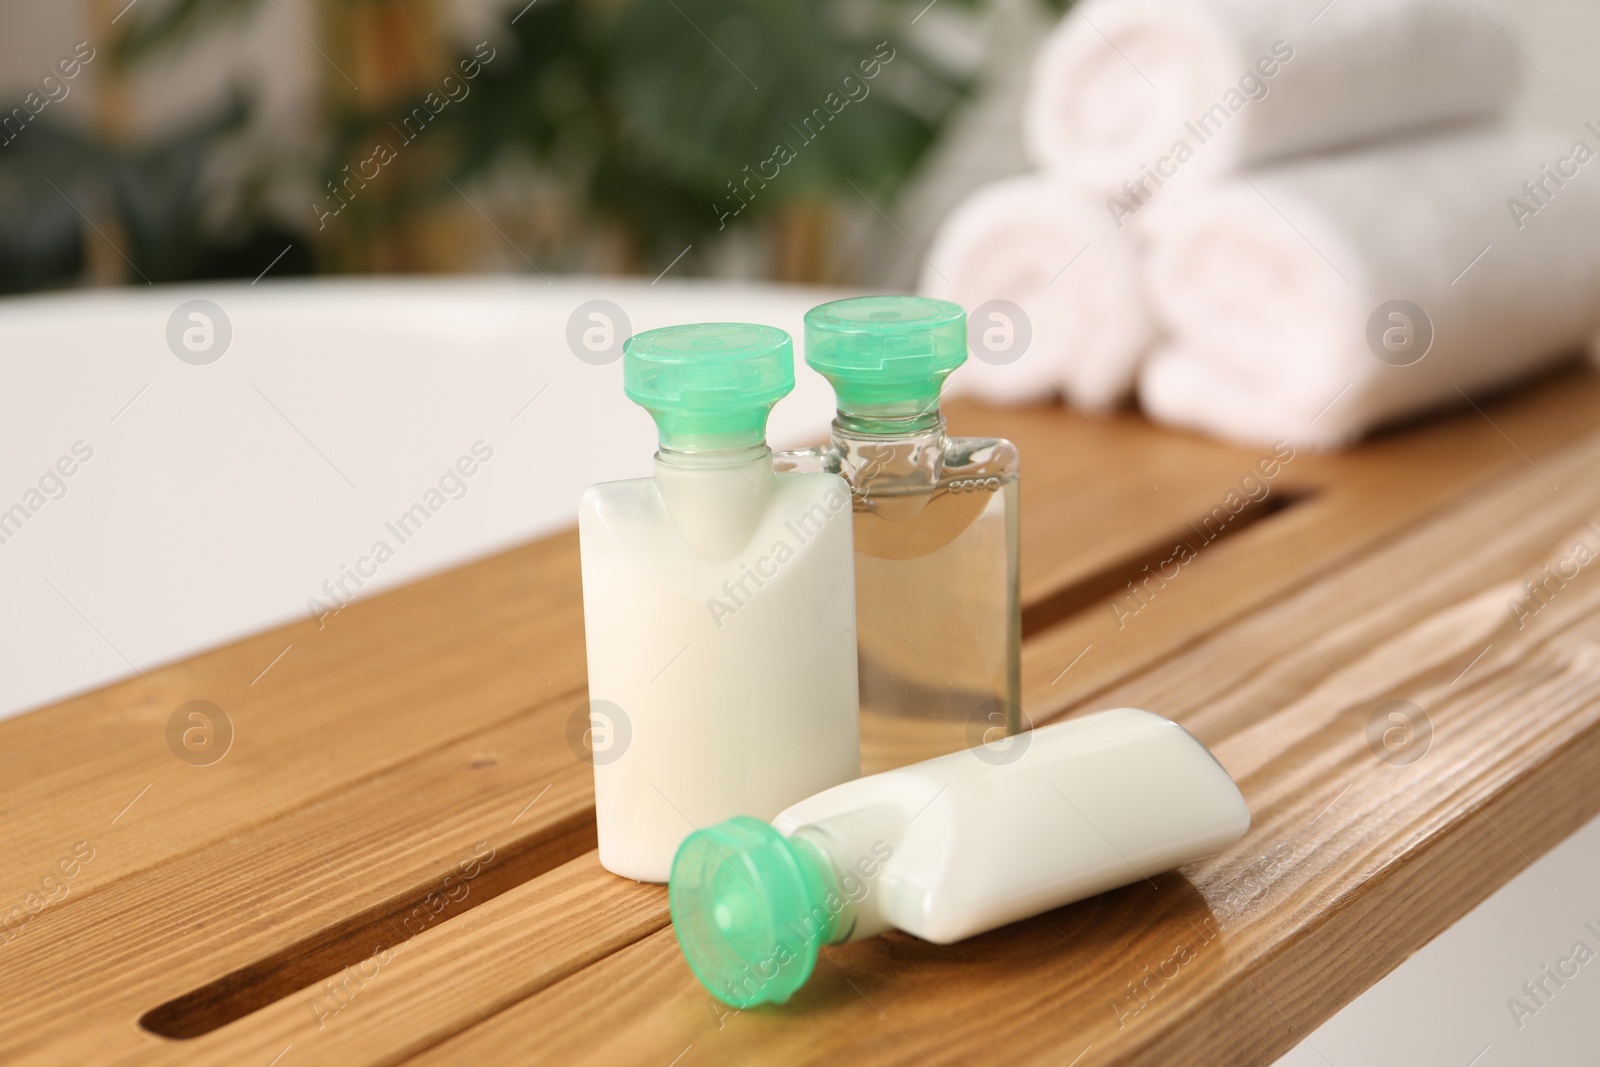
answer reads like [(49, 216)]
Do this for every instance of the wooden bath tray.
[(394, 860)]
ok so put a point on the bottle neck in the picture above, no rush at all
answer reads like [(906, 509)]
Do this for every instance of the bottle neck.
[(892, 465), (716, 498), (826, 925), (853, 847), (890, 420), (713, 458)]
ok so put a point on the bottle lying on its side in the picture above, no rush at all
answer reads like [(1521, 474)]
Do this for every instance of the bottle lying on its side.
[(948, 848)]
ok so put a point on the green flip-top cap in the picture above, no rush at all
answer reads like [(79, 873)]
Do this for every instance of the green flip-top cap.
[(710, 385), (888, 354), (750, 908)]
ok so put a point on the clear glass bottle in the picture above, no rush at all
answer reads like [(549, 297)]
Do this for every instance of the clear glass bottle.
[(937, 611)]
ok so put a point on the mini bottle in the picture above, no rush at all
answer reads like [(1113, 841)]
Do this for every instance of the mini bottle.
[(719, 610), (935, 516), (938, 849)]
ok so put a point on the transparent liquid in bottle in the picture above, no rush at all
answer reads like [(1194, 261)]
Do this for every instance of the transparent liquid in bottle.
[(935, 524), (937, 615)]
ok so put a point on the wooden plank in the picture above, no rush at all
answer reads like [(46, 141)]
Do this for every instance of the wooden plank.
[(401, 1000), (1350, 501), (1100, 492), (306, 892), (1353, 862), (387, 680)]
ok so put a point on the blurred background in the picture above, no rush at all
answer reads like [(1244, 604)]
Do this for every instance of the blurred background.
[(205, 139), (201, 139)]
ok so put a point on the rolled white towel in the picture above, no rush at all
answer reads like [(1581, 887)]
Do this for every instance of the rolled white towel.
[(1279, 287), (1053, 253), (1126, 89)]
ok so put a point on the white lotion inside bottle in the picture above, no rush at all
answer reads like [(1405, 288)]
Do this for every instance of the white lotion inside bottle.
[(718, 607)]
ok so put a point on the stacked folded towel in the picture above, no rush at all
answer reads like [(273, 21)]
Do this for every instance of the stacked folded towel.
[(1247, 82), (1310, 218), (1039, 243), (1278, 289)]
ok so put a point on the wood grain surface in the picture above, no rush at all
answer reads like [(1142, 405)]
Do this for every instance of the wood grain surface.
[(394, 862)]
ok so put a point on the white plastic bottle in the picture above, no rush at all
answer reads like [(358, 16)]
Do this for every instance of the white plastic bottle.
[(719, 609), (949, 848)]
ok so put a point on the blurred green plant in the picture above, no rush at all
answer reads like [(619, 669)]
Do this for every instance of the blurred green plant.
[(55, 179), (660, 123), (655, 114), (41, 234)]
